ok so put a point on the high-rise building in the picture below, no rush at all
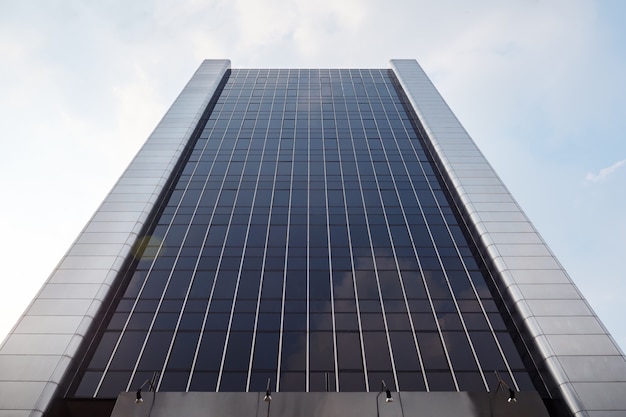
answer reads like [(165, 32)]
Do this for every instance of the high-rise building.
[(332, 236)]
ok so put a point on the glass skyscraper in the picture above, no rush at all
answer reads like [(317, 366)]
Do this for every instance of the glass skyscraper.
[(310, 230)]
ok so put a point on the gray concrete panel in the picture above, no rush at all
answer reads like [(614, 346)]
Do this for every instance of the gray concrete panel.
[(315, 404)]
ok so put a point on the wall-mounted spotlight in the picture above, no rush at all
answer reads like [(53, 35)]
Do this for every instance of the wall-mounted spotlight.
[(389, 398), (150, 383), (512, 398), (503, 385), (268, 392)]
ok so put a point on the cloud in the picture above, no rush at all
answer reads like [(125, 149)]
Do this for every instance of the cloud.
[(604, 172)]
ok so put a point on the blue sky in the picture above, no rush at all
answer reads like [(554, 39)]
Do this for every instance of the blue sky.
[(537, 84)]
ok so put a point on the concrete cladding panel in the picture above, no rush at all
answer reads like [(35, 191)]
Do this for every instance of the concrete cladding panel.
[(35, 355), (533, 278), (346, 404)]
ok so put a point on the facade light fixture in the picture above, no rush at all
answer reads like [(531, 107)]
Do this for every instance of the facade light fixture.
[(150, 383)]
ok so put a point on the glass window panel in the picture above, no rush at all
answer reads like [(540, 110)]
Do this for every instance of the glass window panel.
[(320, 322), (103, 352), (460, 352), (487, 351), (294, 351), (322, 381), (174, 381), (411, 381), (233, 381), (424, 322), (268, 322), (349, 351), (376, 351), (433, 355), (154, 354), (243, 322), (449, 321), (210, 352), (390, 281), (294, 322), (351, 381), (183, 351), (440, 381), (469, 381), (266, 351), (375, 381), (238, 351), (346, 322), (366, 284), (398, 321), (292, 381), (322, 352), (127, 352), (404, 351), (372, 321), (112, 384), (511, 353), (88, 384)]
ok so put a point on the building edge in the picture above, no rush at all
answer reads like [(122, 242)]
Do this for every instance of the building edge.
[(37, 353), (583, 365)]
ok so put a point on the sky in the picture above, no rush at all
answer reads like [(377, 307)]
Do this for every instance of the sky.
[(539, 85)]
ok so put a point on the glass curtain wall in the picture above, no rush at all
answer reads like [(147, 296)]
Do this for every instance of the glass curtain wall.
[(308, 240)]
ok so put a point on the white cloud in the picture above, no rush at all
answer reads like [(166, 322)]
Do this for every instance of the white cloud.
[(604, 172)]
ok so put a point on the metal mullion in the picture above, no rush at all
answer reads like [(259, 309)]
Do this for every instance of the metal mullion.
[(393, 249), (193, 364), (483, 311), (167, 356), (219, 263), (293, 160), (187, 296), (443, 343), (353, 270), (493, 333), (269, 221), (232, 309), (356, 159), (330, 264), (230, 320), (258, 303), (456, 304), (287, 246), (480, 368), (286, 249), (469, 340), (149, 330), (478, 298), (480, 302), (308, 237), (380, 294), (414, 333), (482, 308), (206, 313)]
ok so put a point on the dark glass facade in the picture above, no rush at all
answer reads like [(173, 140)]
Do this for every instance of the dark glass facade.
[(307, 239)]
